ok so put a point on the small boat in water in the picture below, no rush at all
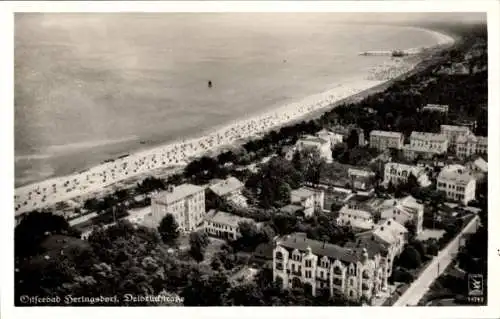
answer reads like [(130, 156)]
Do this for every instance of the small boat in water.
[(209, 84)]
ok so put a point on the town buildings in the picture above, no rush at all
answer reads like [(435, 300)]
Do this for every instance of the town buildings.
[(453, 132), (383, 140), (479, 165), (425, 145), (333, 137), (358, 274), (457, 182), (223, 225), (436, 108), (312, 142), (357, 213), (388, 237), (229, 189), (346, 130), (469, 145), (397, 173), (361, 179), (185, 202), (356, 217), (404, 210), (309, 199)]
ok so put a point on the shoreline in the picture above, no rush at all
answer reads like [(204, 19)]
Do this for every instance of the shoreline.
[(180, 151)]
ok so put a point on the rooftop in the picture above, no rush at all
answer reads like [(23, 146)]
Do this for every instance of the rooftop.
[(373, 247), (456, 173), (357, 212), (436, 106), (471, 138), (177, 193), (312, 139), (416, 170), (359, 172), (481, 164), (423, 148), (300, 242), (302, 192), (455, 128), (227, 186), (435, 137), (225, 218), (386, 134)]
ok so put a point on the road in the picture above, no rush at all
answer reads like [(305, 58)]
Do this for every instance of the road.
[(435, 268)]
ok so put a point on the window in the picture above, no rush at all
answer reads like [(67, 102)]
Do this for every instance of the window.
[(308, 274), (308, 263), (279, 255), (366, 275)]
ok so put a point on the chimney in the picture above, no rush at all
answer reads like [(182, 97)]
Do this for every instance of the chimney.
[(170, 188)]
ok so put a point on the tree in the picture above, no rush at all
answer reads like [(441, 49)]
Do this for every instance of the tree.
[(198, 241), (169, 229), (284, 223), (34, 228), (410, 258), (244, 295), (203, 290), (353, 139)]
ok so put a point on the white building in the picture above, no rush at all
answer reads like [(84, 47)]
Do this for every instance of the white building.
[(425, 144), (458, 183), (185, 202), (404, 210), (355, 216), (223, 225), (383, 140), (453, 132), (436, 108), (479, 166), (432, 141), (334, 138), (469, 145), (361, 179), (312, 142), (390, 237), (397, 173), (230, 189), (309, 199), (355, 273)]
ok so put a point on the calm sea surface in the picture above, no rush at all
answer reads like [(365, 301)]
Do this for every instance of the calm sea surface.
[(92, 87)]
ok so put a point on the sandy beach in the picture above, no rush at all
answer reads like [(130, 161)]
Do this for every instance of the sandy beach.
[(177, 154)]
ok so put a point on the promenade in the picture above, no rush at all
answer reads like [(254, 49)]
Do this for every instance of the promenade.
[(436, 267)]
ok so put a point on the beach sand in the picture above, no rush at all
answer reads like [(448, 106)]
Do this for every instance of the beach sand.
[(179, 153)]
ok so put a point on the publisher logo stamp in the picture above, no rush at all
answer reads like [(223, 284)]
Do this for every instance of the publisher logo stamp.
[(476, 288)]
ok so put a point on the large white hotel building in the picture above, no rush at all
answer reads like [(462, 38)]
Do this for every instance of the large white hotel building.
[(185, 202)]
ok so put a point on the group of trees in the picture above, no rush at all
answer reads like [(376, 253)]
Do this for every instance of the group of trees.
[(130, 259)]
